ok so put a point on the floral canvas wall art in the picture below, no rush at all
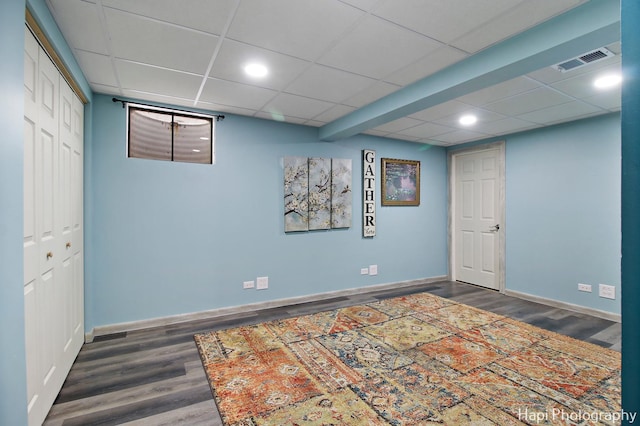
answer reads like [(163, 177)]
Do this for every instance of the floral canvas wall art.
[(296, 193), (317, 193), (341, 198)]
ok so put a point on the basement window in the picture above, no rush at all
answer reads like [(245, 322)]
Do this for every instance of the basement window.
[(169, 135)]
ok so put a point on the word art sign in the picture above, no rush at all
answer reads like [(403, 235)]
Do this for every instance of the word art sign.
[(368, 193)]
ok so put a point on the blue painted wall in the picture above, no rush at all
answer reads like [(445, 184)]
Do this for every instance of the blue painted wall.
[(208, 228), (563, 211), (13, 391), (171, 238), (630, 206)]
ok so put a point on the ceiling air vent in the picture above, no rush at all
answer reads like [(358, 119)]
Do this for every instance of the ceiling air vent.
[(584, 59)]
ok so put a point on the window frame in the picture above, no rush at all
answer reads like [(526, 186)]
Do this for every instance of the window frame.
[(172, 112)]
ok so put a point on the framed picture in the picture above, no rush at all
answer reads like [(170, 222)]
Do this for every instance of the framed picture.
[(400, 182)]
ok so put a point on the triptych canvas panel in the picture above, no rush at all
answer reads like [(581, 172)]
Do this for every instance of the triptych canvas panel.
[(317, 193)]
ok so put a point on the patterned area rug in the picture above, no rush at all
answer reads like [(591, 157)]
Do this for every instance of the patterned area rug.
[(412, 360)]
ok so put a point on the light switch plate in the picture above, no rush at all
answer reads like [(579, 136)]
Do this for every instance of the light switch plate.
[(262, 283), (373, 269), (607, 291), (248, 284)]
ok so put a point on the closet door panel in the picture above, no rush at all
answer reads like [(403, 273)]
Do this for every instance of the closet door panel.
[(77, 224), (31, 54), (53, 259), (47, 157)]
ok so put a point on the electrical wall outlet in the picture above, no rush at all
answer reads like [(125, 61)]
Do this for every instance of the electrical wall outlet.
[(607, 291), (262, 283), (584, 287), (373, 269), (248, 284), (364, 271)]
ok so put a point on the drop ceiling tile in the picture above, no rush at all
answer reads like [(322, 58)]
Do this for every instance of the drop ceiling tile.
[(442, 110), (280, 117), (560, 113), (530, 101), (210, 106), (582, 85), (156, 43), (333, 113), (483, 115), (134, 76), (235, 94), (377, 48), (460, 136), (79, 21), (233, 56), (610, 100), (154, 97), (398, 125), (362, 4), (547, 75), (314, 123), (426, 130), (372, 93), (289, 105), (443, 20), (374, 132), (96, 68), (504, 126), (328, 84), (435, 143), (301, 29), (500, 91), (615, 48), (432, 63), (550, 75), (402, 137), (107, 90), (523, 16), (204, 15)]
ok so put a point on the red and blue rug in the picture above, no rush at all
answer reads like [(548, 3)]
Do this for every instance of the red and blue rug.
[(412, 360)]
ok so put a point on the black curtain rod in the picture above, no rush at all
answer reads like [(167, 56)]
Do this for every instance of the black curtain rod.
[(217, 116)]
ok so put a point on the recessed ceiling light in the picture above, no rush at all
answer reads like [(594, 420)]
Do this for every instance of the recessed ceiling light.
[(468, 120), (204, 138), (195, 150), (256, 70), (607, 81)]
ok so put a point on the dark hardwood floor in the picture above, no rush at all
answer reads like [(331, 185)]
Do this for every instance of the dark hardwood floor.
[(154, 376)]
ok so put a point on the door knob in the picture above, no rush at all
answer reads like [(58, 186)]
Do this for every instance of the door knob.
[(495, 227), (49, 255), (68, 244)]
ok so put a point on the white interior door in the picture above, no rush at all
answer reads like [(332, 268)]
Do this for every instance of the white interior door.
[(477, 217), (53, 278)]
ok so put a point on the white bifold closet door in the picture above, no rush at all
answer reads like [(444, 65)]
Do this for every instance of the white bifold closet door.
[(53, 228)]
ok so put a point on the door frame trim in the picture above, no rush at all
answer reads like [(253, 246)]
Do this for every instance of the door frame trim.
[(451, 154)]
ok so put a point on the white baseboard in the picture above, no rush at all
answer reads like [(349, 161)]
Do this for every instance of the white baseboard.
[(176, 319), (564, 305)]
